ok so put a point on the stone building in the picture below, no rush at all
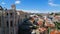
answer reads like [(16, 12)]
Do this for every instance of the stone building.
[(9, 21), (1, 18)]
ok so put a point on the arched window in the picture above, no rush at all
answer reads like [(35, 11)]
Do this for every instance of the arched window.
[(7, 14), (7, 24), (11, 23), (11, 14)]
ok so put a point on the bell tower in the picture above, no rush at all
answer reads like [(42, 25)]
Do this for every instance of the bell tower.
[(13, 7)]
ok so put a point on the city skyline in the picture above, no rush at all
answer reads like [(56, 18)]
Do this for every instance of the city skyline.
[(34, 6)]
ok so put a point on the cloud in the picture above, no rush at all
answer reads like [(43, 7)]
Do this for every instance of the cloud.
[(51, 3), (17, 2), (30, 11), (3, 3), (38, 11)]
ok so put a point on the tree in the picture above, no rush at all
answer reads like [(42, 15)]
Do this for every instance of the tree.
[(39, 14), (52, 13)]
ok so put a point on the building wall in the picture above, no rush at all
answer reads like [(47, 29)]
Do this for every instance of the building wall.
[(10, 19), (9, 22)]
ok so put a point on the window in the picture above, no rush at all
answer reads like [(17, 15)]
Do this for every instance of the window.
[(11, 32), (11, 23), (7, 24), (7, 14), (11, 14)]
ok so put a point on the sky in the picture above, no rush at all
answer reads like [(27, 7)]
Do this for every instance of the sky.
[(33, 6)]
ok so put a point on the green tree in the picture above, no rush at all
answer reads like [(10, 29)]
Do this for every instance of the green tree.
[(52, 13)]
